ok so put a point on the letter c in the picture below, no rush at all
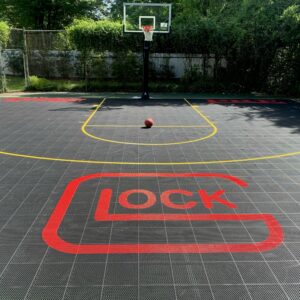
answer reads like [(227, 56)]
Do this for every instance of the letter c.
[(165, 199)]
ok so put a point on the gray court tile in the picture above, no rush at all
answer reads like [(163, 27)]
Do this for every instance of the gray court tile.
[(194, 292), (121, 274), (29, 253), (119, 292), (224, 292), (86, 293), (155, 273), (87, 274), (261, 292), (12, 293), (255, 272), (18, 275), (222, 273), (286, 272), (157, 292), (53, 275), (31, 189), (189, 274), (293, 291), (49, 293)]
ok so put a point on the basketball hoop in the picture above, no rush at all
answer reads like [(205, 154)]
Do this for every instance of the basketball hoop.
[(148, 32)]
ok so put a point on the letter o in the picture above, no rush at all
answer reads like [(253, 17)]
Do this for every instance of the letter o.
[(123, 199)]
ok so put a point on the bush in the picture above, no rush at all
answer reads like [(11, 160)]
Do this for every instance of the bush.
[(100, 67), (107, 35), (166, 72), (87, 35), (284, 73), (192, 74), (249, 35), (41, 84), (4, 34), (15, 63), (126, 67)]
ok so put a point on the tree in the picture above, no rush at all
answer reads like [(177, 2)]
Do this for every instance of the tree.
[(4, 34), (115, 7), (284, 75), (291, 25), (48, 14)]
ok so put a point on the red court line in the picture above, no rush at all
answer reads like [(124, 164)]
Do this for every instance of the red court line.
[(245, 101), (42, 99), (52, 239)]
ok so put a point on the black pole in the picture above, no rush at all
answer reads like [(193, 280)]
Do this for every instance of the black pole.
[(145, 95)]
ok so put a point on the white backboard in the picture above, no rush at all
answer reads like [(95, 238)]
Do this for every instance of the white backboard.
[(137, 15)]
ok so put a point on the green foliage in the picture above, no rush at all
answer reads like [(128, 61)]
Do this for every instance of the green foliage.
[(284, 73), (258, 31), (192, 74), (195, 80), (48, 14), (41, 84), (87, 35), (15, 83), (260, 39), (15, 63), (106, 35), (64, 64), (249, 34), (291, 25), (166, 70), (126, 67), (100, 67), (196, 35), (4, 33)]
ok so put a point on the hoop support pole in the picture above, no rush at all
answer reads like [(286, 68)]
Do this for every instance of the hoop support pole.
[(145, 94)]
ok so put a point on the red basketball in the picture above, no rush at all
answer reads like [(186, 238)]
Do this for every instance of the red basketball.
[(149, 123)]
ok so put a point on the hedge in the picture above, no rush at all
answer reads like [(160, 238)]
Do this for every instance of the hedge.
[(107, 35), (103, 35)]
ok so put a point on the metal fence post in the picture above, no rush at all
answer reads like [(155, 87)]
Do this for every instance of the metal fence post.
[(2, 71), (25, 59)]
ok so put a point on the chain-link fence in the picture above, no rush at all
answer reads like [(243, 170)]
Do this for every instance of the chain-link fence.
[(47, 54)]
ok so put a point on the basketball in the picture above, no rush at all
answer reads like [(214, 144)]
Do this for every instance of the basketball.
[(149, 123)]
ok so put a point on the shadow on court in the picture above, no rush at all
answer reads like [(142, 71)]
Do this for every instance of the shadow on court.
[(283, 116)]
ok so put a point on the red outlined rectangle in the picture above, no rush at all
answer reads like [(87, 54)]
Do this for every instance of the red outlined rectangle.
[(42, 99), (52, 239), (246, 101)]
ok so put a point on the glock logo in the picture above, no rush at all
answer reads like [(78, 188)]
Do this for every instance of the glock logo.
[(138, 211)]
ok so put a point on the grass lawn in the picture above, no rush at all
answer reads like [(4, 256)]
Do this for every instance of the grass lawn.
[(60, 85), (15, 84)]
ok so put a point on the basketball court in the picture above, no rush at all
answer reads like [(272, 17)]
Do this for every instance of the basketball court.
[(204, 205)]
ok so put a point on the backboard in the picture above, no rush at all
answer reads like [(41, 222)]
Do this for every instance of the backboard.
[(137, 15)]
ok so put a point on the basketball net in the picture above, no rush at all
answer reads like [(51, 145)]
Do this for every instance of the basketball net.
[(148, 32)]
